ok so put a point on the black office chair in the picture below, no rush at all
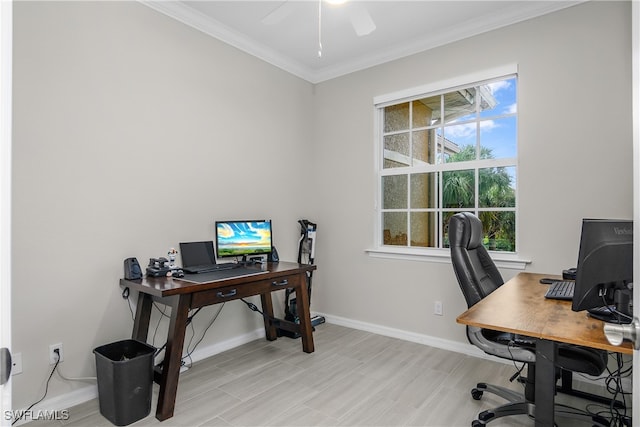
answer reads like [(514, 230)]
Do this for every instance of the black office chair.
[(478, 276)]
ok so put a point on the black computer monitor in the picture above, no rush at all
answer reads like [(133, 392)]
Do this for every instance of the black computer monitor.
[(243, 238), (604, 274)]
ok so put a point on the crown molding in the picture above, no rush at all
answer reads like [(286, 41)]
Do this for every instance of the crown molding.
[(462, 31), (195, 19)]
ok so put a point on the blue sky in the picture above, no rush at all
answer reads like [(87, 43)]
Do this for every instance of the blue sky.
[(497, 133)]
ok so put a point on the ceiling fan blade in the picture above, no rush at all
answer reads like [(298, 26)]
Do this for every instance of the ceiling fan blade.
[(360, 19), (278, 14)]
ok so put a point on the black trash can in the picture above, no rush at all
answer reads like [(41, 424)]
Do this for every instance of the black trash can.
[(125, 380)]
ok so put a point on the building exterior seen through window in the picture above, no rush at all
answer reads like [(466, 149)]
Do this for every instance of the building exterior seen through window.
[(448, 152)]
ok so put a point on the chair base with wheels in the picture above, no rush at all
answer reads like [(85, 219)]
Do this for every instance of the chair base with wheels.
[(518, 405)]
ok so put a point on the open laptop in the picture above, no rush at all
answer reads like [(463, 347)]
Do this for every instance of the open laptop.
[(200, 257)]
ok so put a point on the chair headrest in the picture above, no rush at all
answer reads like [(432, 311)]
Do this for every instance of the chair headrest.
[(465, 230)]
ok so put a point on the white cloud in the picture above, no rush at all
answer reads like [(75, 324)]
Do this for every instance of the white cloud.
[(496, 86), (468, 129), (488, 125)]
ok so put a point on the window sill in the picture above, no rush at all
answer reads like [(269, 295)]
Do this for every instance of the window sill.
[(502, 260)]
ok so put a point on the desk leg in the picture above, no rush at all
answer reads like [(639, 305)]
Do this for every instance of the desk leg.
[(267, 308), (143, 315), (545, 382), (172, 357), (304, 314)]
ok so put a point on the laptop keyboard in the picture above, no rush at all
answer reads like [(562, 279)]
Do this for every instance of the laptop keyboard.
[(210, 268)]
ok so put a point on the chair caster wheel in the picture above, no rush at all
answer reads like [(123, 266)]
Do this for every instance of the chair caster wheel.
[(476, 423), (476, 394), (486, 416)]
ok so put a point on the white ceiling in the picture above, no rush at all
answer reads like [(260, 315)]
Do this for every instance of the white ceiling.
[(286, 33)]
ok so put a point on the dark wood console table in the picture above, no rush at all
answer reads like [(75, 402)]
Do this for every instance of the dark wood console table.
[(182, 296)]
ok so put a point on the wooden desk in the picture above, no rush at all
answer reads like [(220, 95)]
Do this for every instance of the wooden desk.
[(519, 307), (182, 296)]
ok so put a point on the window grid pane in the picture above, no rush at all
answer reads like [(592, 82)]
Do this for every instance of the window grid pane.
[(396, 117), (394, 228), (394, 191), (421, 231), (424, 191)]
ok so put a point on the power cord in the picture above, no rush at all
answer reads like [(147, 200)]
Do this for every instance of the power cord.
[(518, 373), (190, 351), (155, 332), (162, 311), (274, 321), (125, 295), (64, 377), (190, 323), (617, 417), (46, 390)]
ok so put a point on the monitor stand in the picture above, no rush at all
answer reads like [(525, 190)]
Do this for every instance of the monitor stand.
[(621, 312), (251, 261)]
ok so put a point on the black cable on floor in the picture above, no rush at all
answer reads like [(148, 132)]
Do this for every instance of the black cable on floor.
[(46, 390)]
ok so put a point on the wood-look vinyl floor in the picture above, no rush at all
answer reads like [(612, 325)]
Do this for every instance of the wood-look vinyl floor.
[(354, 378)]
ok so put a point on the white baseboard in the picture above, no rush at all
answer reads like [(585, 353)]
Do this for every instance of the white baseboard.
[(429, 340), (208, 351), (57, 404)]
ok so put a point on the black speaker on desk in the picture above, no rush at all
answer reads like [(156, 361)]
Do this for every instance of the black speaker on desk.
[(132, 270), (273, 256)]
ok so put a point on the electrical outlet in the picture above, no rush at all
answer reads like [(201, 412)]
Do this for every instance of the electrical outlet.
[(437, 308), (53, 357), (16, 363)]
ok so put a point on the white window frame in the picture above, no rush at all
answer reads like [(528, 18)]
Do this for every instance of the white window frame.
[(502, 259)]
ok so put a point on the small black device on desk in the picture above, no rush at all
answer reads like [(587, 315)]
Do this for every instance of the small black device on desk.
[(158, 267), (569, 274)]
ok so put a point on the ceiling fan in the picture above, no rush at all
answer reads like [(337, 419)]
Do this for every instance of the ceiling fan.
[(358, 15)]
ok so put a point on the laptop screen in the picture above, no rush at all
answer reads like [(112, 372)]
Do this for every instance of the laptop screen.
[(197, 253)]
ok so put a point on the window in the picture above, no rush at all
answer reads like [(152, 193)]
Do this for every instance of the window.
[(447, 151)]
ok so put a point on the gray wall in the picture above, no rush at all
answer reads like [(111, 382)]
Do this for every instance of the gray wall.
[(134, 132), (575, 160), (122, 116)]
